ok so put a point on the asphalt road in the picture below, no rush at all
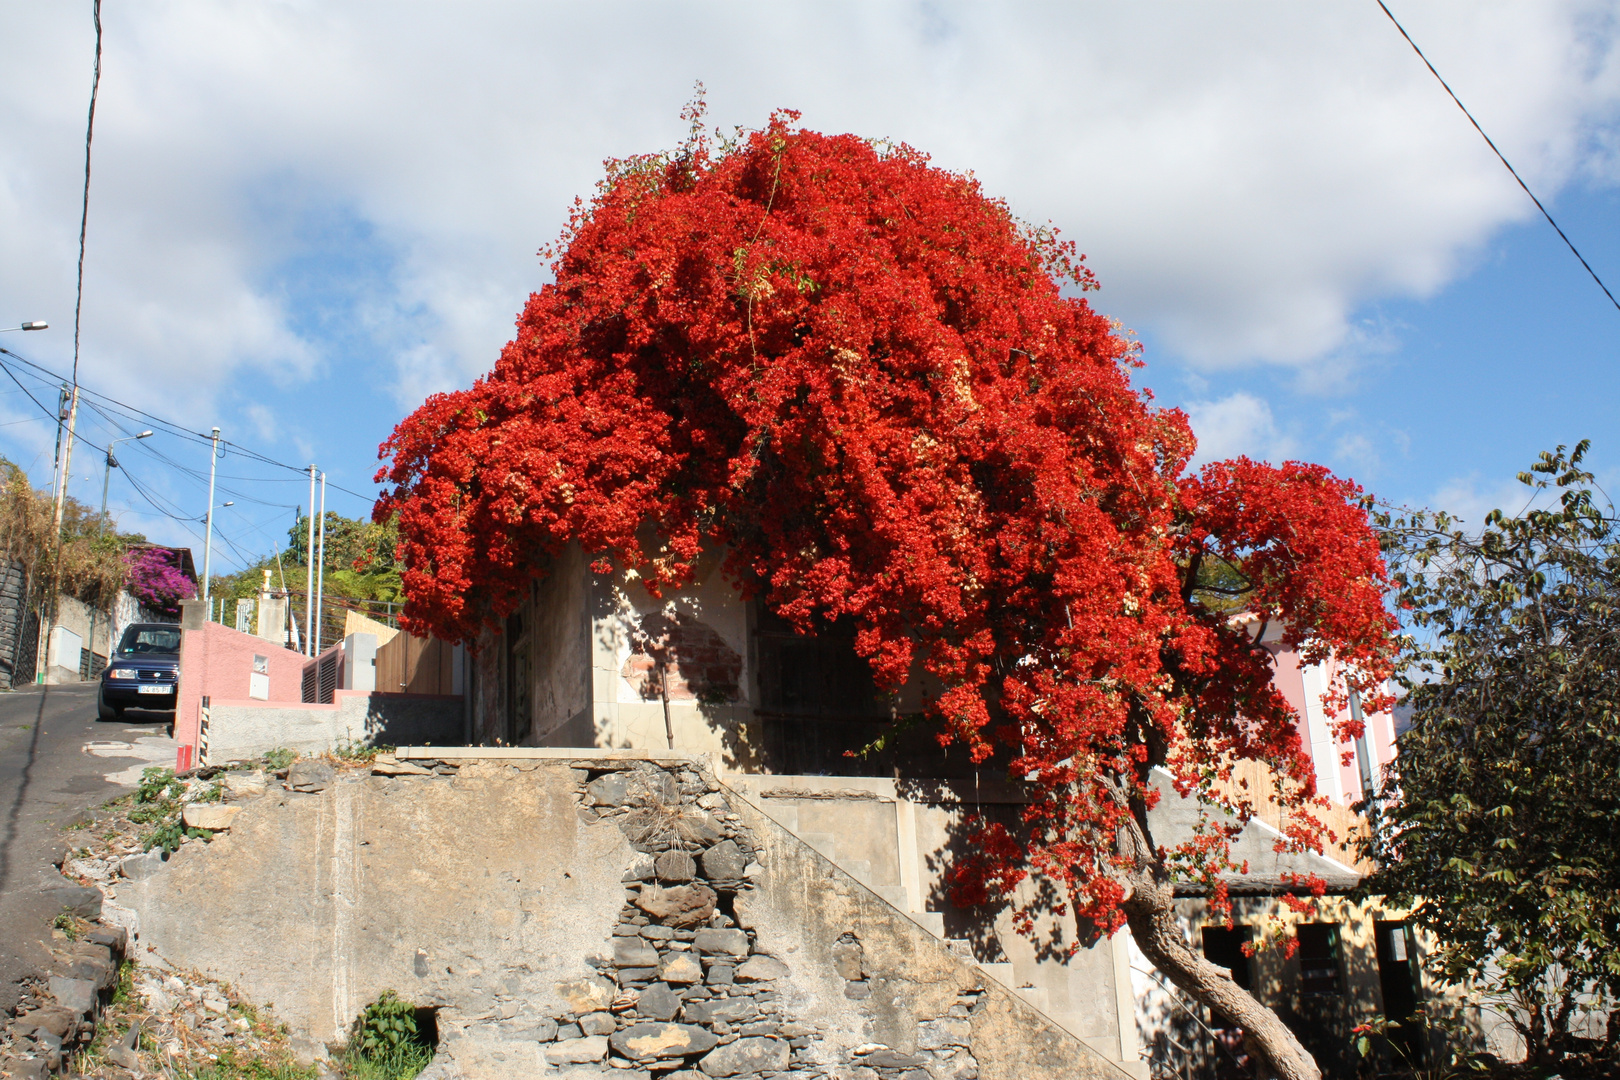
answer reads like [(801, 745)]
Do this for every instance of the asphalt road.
[(57, 761)]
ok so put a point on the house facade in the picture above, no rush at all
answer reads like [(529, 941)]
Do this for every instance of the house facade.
[(594, 660)]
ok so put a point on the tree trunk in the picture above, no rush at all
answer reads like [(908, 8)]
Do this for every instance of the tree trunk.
[(1150, 913), (1152, 920)]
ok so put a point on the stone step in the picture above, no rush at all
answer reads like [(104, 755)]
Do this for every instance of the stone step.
[(1002, 973)]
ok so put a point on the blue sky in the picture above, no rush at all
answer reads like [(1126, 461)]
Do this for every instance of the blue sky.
[(305, 217), (1460, 391)]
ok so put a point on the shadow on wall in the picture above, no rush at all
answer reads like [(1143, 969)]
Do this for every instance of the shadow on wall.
[(1056, 933), (676, 657)]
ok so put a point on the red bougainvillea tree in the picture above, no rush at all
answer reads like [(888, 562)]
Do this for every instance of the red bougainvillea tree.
[(862, 377)]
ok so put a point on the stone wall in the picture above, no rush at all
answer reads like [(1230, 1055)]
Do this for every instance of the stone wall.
[(607, 913)]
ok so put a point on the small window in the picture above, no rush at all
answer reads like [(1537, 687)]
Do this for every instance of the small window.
[(1225, 947), (1319, 958)]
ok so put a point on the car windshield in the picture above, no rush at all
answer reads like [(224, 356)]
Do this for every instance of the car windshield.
[(148, 640)]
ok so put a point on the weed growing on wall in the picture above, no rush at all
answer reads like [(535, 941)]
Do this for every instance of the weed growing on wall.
[(386, 1044)]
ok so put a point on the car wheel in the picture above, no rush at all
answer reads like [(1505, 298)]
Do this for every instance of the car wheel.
[(105, 711)]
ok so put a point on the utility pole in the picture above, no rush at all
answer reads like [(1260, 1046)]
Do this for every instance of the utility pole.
[(319, 626), (101, 528), (47, 607), (208, 543), (309, 573)]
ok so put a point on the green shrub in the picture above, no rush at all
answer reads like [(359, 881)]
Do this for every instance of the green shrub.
[(169, 834), (386, 1044), (279, 758)]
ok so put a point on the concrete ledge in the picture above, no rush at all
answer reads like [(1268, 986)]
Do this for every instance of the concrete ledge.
[(542, 753)]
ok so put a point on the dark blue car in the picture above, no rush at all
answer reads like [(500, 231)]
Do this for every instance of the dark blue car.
[(143, 672)]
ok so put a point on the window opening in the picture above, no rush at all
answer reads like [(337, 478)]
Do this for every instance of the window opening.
[(1319, 958), (1224, 946)]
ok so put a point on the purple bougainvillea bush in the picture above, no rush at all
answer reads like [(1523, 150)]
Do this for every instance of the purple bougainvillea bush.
[(156, 582)]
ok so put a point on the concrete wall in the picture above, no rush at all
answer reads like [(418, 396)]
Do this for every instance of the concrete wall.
[(559, 639), (899, 839), (217, 662), (76, 615), (703, 631), (494, 895), (240, 730), (450, 891)]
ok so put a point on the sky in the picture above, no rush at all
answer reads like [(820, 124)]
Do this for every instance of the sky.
[(304, 217)]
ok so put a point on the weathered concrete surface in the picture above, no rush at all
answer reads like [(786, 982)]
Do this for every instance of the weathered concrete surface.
[(447, 890), (597, 914), (815, 915), (240, 730)]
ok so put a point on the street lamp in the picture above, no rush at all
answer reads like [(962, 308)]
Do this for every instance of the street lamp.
[(106, 476), (27, 326)]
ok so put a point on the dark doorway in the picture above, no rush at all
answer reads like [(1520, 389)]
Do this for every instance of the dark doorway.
[(1398, 979), (519, 716), (817, 699), (1397, 969)]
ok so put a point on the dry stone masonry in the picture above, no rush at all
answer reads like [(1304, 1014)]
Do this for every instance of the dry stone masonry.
[(678, 989), (572, 915)]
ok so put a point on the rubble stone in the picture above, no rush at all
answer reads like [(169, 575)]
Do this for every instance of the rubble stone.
[(310, 776), (579, 1051), (245, 785), (724, 861), (631, 952), (746, 1057), (732, 942), (143, 866), (587, 995), (943, 1032), (675, 866), (215, 817), (681, 907), (658, 1002), (643, 1042), (761, 969), (681, 968), (388, 765), (74, 995)]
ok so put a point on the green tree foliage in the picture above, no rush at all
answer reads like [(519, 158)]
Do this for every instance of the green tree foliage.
[(89, 564), (1500, 819), (362, 571)]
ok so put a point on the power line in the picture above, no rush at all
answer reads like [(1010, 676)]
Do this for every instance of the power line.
[(84, 210), (130, 412), (1561, 234)]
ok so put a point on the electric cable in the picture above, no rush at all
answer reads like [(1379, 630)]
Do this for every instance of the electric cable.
[(1499, 156), (131, 412)]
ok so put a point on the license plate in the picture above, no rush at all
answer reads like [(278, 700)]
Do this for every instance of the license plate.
[(156, 690)]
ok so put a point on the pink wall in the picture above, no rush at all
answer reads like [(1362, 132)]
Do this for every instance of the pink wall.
[(216, 662), (1289, 678)]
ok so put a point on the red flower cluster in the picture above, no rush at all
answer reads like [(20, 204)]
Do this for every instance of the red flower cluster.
[(861, 376)]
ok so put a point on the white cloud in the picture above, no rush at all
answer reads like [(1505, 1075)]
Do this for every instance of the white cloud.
[(1243, 177), (1238, 424)]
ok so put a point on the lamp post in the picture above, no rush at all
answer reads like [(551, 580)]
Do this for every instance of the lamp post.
[(26, 326), (101, 527), (106, 477)]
